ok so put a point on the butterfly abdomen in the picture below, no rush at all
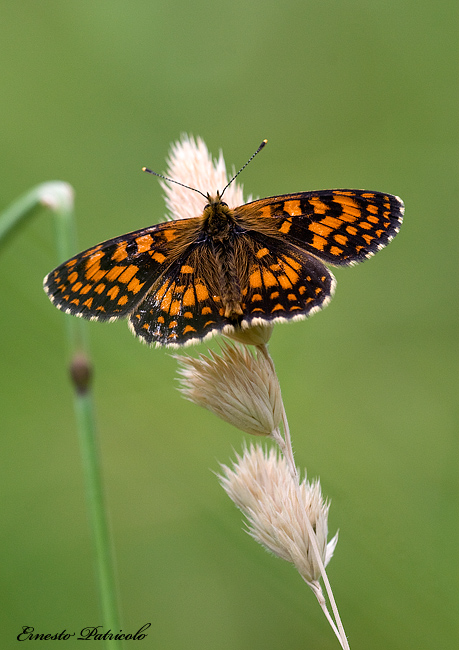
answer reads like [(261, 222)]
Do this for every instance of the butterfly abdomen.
[(219, 225), (227, 277)]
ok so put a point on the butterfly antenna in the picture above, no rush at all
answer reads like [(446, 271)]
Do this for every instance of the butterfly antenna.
[(265, 142), (149, 171)]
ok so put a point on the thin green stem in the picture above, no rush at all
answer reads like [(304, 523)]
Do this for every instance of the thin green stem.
[(58, 197), (97, 513)]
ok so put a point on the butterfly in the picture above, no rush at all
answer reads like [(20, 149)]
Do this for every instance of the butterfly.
[(181, 281)]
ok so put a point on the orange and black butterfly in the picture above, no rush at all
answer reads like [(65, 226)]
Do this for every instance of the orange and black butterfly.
[(181, 281)]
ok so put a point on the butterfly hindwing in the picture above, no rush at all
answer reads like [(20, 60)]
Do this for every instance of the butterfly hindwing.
[(283, 282), (184, 305), (341, 227)]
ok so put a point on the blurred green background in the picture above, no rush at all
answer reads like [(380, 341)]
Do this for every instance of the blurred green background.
[(349, 94)]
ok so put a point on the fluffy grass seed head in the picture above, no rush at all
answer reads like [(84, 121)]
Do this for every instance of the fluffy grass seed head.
[(253, 335), (260, 484), (191, 163), (238, 385)]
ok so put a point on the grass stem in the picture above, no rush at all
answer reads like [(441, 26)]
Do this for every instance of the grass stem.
[(58, 197)]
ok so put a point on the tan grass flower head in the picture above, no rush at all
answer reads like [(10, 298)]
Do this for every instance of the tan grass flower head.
[(238, 385), (261, 485), (254, 335), (191, 163)]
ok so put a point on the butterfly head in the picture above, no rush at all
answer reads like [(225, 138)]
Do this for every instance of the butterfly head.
[(217, 217)]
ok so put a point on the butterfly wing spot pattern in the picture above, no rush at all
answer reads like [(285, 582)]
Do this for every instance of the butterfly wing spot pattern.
[(182, 281)]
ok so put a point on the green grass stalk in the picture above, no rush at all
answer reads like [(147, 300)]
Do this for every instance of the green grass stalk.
[(58, 197)]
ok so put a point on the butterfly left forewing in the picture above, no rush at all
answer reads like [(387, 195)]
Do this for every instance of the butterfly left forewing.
[(107, 281), (341, 227)]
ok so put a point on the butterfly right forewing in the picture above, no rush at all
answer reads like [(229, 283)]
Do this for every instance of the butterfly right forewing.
[(341, 227)]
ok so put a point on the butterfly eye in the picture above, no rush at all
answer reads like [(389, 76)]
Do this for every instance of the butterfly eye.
[(223, 203), (207, 206)]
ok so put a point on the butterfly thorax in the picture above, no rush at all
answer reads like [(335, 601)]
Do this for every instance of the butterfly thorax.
[(218, 220), (219, 226)]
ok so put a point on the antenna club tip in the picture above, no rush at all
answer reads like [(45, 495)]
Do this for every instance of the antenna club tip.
[(144, 169), (263, 144)]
